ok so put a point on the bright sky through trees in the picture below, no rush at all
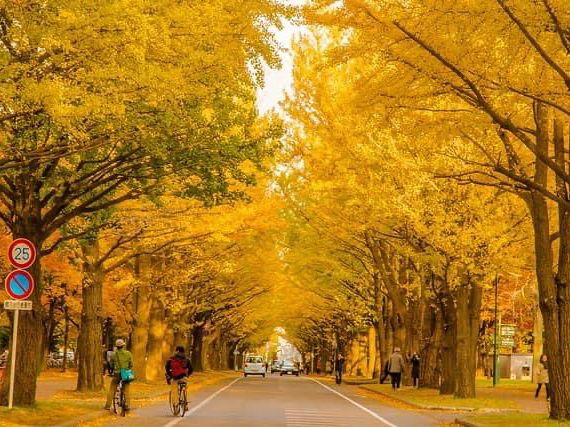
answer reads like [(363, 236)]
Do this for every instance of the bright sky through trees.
[(279, 81)]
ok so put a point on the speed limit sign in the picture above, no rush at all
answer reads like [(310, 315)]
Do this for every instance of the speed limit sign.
[(22, 253)]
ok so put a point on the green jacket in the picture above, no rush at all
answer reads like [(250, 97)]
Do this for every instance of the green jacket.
[(122, 359)]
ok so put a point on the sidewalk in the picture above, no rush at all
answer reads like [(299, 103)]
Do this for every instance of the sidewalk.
[(51, 383)]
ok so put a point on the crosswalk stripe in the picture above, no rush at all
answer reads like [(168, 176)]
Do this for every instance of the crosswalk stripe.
[(310, 417)]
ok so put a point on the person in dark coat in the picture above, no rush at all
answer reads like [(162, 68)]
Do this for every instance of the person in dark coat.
[(339, 367), (416, 370), (542, 377)]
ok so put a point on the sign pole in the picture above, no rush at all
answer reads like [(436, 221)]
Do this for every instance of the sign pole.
[(13, 359)]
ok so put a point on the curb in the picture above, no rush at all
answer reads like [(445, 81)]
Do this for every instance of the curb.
[(359, 382), (420, 406), (466, 423), (446, 408)]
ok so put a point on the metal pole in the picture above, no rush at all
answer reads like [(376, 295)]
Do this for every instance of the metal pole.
[(13, 359), (495, 355), (312, 358)]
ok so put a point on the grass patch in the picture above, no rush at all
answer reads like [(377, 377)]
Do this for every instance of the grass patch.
[(515, 419), (430, 397), (46, 413)]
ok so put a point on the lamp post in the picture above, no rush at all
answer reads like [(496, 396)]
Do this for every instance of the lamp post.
[(497, 327)]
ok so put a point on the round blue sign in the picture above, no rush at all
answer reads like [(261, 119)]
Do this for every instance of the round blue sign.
[(19, 284)]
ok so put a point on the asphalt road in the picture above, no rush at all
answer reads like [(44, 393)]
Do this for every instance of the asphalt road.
[(280, 402)]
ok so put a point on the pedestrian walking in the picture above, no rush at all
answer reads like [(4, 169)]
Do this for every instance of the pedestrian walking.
[(4, 358), (339, 367), (395, 368), (542, 377), (385, 372), (416, 370), (109, 359)]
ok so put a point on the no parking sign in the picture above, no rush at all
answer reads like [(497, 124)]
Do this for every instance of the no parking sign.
[(19, 284)]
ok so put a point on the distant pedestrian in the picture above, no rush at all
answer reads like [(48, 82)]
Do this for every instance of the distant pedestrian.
[(4, 359), (416, 370), (385, 372), (395, 368), (105, 363), (542, 377), (108, 358), (339, 367)]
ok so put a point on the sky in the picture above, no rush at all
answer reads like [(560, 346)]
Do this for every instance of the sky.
[(277, 82)]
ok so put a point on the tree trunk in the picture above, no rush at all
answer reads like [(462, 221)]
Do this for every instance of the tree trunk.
[(90, 341), (155, 365), (141, 322), (553, 289), (537, 342), (197, 347), (168, 342), (448, 365), (65, 336), (468, 316), (180, 339), (430, 353), (50, 325)]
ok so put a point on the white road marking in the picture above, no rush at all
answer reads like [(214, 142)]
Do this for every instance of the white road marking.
[(358, 405), (201, 404)]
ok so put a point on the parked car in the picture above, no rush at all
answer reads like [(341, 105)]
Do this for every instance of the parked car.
[(276, 366), (254, 365), (289, 368)]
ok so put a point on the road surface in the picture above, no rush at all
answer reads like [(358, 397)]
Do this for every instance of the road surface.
[(280, 402)]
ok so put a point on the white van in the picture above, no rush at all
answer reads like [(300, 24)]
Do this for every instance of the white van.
[(254, 365)]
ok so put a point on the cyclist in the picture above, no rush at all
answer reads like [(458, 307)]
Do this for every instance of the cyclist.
[(121, 359), (178, 367)]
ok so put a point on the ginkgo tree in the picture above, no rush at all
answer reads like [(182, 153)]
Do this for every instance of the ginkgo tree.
[(145, 98), (379, 195)]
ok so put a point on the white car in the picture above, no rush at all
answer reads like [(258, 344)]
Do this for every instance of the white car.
[(254, 365)]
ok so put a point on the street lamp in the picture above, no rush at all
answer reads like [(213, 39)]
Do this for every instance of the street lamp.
[(495, 347)]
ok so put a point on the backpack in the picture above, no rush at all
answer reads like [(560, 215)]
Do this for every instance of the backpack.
[(178, 367)]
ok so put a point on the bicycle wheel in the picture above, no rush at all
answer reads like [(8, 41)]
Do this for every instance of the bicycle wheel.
[(116, 401), (123, 403), (183, 401), (174, 404)]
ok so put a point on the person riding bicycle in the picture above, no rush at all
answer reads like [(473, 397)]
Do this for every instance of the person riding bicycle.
[(178, 367), (121, 359)]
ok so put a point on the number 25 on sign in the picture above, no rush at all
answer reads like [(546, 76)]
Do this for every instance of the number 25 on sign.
[(22, 253)]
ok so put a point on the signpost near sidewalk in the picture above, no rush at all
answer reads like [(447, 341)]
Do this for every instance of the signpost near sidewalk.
[(20, 286)]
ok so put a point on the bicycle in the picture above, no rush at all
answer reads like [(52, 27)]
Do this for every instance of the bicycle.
[(119, 401), (178, 405)]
